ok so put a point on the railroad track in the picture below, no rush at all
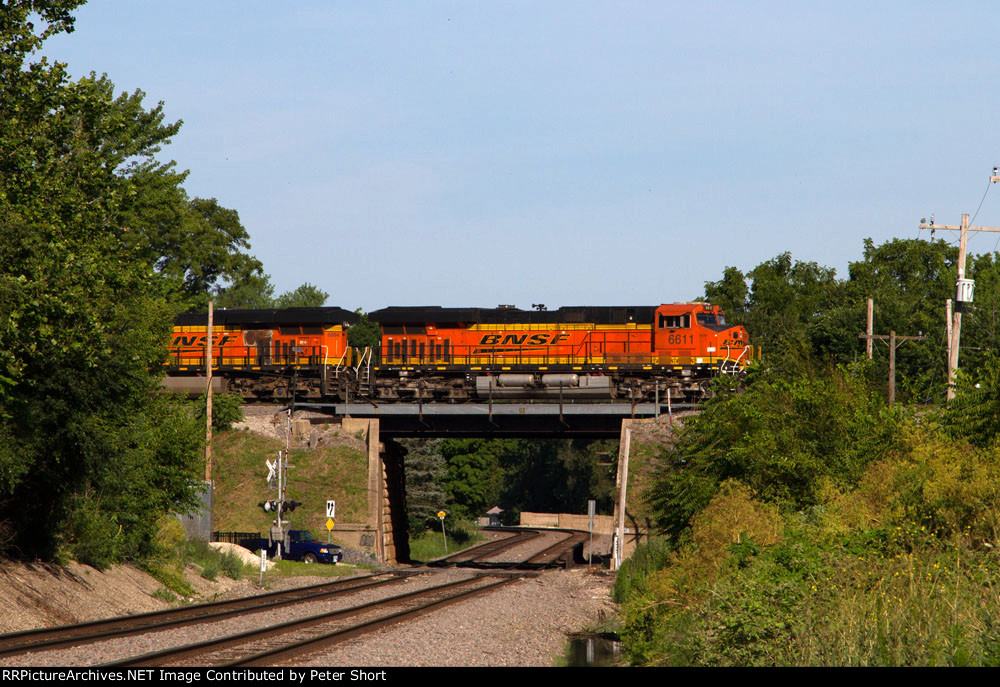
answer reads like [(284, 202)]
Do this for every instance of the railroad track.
[(297, 638), (285, 641), (559, 554), (481, 552), (47, 639)]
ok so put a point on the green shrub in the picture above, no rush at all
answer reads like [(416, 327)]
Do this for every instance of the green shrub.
[(786, 438), (430, 544), (633, 575), (95, 537), (227, 410), (210, 569)]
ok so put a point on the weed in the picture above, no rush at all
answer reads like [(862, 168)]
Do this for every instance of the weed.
[(430, 544), (164, 594)]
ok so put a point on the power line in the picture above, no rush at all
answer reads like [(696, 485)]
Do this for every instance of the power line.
[(976, 214)]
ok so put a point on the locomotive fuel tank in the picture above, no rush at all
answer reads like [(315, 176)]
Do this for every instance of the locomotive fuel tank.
[(568, 386)]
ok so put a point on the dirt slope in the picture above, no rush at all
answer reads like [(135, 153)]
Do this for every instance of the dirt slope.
[(41, 595)]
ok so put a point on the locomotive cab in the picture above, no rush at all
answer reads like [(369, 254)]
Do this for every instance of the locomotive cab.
[(697, 334)]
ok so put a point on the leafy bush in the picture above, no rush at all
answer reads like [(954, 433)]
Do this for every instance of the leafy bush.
[(974, 413), (784, 438), (227, 409), (214, 561), (896, 567), (635, 571), (430, 544), (95, 537)]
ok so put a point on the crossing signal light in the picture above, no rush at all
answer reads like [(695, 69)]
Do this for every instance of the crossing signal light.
[(275, 506)]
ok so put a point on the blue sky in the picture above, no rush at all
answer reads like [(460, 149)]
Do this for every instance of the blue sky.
[(464, 153)]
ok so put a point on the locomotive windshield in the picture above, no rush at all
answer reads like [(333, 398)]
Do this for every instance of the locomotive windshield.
[(708, 318)]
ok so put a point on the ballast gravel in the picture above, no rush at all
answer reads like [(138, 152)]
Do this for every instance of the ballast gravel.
[(522, 624)]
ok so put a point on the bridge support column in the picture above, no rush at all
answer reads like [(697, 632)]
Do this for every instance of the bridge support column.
[(619, 540), (633, 526), (386, 504)]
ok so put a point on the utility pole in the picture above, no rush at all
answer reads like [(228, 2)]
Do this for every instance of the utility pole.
[(868, 344), (208, 397), (894, 343), (963, 287)]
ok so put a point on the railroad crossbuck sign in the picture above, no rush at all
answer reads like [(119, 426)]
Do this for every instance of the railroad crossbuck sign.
[(331, 509)]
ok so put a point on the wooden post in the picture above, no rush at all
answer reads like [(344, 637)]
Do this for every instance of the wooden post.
[(956, 327), (868, 345), (893, 342), (208, 397), (622, 492), (892, 366), (947, 322), (955, 317)]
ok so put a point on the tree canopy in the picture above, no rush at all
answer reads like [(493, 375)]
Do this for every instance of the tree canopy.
[(255, 290), (799, 311), (89, 457)]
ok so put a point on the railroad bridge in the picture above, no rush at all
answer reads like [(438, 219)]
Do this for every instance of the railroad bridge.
[(496, 420), (381, 424)]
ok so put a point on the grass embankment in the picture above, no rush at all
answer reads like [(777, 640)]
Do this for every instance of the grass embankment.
[(337, 472), (431, 544), (901, 569), (319, 474), (177, 552)]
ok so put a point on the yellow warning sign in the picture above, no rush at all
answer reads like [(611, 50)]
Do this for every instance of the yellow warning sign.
[(329, 523)]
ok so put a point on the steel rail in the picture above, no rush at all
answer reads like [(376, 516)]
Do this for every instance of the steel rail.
[(188, 651), (485, 549), (556, 553), (559, 550), (314, 644), (17, 643)]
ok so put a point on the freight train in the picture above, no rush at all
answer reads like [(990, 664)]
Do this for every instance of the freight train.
[(436, 354)]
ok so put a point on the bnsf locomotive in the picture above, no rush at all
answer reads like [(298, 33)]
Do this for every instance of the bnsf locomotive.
[(429, 354)]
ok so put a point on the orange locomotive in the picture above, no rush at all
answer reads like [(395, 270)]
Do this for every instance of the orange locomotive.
[(254, 352), (634, 353), (458, 354)]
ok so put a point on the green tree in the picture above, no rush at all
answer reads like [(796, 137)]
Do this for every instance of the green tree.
[(475, 477), (784, 437), (426, 475), (974, 413), (251, 292), (798, 311), (364, 334), (782, 300), (84, 443), (254, 291), (305, 296), (909, 281)]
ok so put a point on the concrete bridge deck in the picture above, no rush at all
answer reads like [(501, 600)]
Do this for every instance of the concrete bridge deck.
[(566, 420)]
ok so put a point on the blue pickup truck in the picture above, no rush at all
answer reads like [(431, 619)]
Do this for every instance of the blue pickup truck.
[(300, 545)]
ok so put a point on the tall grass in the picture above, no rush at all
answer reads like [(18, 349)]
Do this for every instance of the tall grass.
[(430, 544), (901, 570)]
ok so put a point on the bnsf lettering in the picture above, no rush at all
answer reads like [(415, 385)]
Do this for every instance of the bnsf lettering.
[(534, 339), (199, 340)]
